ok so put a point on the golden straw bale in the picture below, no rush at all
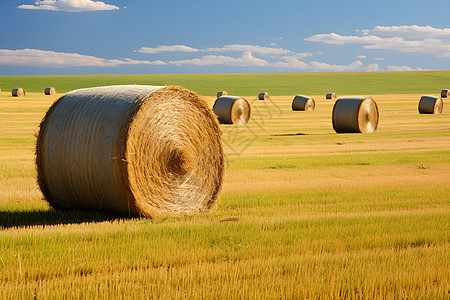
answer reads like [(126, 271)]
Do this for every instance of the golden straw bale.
[(18, 92), (445, 93), (263, 96), (430, 105), (222, 93), (303, 103), (50, 91), (355, 114), (139, 150), (330, 96), (232, 110)]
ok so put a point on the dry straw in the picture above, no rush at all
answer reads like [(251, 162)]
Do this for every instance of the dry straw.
[(445, 93), (330, 96), (263, 96), (232, 110), (222, 93), (303, 103), (430, 105), (355, 114), (18, 92), (50, 91), (140, 150)]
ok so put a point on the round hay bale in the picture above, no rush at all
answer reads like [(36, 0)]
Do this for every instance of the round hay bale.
[(355, 114), (18, 92), (140, 150), (222, 93), (232, 110), (303, 103), (263, 96), (330, 96), (50, 91), (445, 93), (430, 105)]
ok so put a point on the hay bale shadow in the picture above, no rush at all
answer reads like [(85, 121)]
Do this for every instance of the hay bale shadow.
[(9, 219)]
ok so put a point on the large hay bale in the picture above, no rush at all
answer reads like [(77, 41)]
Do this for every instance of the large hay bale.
[(140, 150), (232, 110), (303, 103), (50, 91), (222, 93), (430, 105), (263, 96), (355, 114), (330, 96), (18, 92), (445, 93)]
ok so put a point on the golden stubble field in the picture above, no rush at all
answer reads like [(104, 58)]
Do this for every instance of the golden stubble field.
[(304, 213)]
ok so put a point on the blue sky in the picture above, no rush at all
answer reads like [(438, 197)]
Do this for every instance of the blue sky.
[(246, 36)]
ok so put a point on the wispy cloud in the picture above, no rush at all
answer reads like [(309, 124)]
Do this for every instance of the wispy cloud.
[(69, 5), (253, 48), (427, 45), (173, 48), (246, 59), (42, 58), (402, 68), (410, 31), (261, 50)]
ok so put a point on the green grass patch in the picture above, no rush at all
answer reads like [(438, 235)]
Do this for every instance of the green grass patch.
[(251, 84)]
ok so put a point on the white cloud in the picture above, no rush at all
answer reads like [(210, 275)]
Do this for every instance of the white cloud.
[(361, 56), (354, 66), (246, 59), (42, 58), (403, 68), (336, 39), (174, 48), (69, 5), (252, 48), (291, 62), (379, 58), (373, 68), (433, 46), (411, 31)]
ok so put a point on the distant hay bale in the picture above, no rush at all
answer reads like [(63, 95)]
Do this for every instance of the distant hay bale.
[(18, 92), (430, 105), (303, 103), (263, 96), (232, 110), (222, 93), (50, 91), (140, 150), (355, 114), (445, 93), (330, 96)]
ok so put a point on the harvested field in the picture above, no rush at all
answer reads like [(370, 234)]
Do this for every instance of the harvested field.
[(303, 213)]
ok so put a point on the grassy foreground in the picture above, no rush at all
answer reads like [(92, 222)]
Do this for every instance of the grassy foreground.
[(304, 213), (251, 84)]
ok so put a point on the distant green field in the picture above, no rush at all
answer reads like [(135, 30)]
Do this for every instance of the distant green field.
[(430, 82)]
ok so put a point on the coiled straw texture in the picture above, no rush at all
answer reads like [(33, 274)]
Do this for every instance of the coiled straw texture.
[(50, 91), (430, 105), (303, 103), (139, 150), (18, 92), (355, 115), (232, 110), (263, 96)]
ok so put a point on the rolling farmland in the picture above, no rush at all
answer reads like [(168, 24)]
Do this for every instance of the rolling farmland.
[(304, 212)]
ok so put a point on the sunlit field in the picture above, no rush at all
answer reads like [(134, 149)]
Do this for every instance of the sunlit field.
[(304, 213)]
